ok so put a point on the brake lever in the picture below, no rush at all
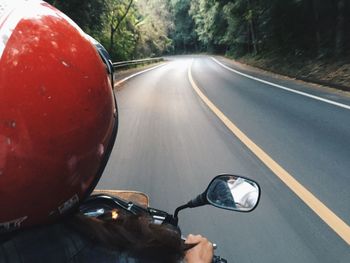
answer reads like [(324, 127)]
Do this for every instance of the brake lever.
[(217, 259)]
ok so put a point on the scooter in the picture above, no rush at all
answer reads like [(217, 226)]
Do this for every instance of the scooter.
[(225, 191)]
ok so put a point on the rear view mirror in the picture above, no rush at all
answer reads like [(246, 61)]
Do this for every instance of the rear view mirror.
[(233, 192)]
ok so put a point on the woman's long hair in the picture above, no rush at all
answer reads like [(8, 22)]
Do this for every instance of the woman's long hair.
[(134, 234)]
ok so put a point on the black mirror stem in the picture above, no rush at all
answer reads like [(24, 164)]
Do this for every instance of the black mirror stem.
[(177, 212), (198, 201)]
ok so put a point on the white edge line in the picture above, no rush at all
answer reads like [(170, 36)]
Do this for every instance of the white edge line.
[(284, 88), (137, 73)]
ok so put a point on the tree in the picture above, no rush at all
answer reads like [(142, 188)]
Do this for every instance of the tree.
[(210, 23), (116, 12), (87, 14), (340, 28), (300, 28), (153, 28), (183, 34)]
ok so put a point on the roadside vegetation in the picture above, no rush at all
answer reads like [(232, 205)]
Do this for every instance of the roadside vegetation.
[(129, 29), (307, 38)]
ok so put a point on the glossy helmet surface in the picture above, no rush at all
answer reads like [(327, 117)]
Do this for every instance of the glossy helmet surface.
[(58, 115)]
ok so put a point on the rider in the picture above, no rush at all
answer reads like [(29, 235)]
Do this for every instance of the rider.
[(220, 194), (58, 124), (246, 195)]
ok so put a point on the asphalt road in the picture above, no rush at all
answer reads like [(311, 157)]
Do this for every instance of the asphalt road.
[(170, 145)]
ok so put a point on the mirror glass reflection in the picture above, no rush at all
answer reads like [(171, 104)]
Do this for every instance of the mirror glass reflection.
[(233, 192)]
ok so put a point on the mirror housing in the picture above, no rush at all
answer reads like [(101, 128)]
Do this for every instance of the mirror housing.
[(227, 191), (233, 192)]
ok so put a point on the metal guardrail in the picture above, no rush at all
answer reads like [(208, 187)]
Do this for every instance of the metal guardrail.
[(126, 64)]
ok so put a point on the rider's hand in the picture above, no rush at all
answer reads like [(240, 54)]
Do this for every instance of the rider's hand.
[(202, 253)]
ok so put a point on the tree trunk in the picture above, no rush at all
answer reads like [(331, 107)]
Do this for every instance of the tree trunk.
[(253, 38), (251, 28), (340, 27), (111, 39), (315, 7), (124, 15)]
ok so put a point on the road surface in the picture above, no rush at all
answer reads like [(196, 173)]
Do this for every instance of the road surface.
[(170, 145)]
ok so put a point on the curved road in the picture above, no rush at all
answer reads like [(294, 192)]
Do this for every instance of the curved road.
[(170, 145)]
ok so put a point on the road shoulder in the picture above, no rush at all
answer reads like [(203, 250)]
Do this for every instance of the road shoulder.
[(329, 92), (122, 74)]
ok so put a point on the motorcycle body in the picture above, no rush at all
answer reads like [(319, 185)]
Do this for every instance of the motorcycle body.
[(226, 191)]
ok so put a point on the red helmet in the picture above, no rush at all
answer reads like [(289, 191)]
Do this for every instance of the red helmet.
[(58, 115)]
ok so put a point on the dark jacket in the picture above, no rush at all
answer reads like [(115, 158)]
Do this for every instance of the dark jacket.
[(220, 194), (56, 243)]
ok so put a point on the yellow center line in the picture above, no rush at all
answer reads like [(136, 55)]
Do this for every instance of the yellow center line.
[(329, 217)]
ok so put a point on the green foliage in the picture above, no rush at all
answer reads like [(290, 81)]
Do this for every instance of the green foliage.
[(87, 14), (128, 29), (120, 20), (183, 33), (153, 28), (252, 26), (141, 28)]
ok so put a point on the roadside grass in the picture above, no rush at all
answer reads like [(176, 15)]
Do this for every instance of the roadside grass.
[(329, 72)]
